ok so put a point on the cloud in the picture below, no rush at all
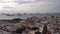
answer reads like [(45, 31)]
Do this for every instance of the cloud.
[(17, 1), (29, 6)]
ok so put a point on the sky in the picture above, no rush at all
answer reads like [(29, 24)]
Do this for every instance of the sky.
[(29, 6)]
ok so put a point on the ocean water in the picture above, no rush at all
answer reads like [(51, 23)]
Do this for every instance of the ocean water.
[(24, 16)]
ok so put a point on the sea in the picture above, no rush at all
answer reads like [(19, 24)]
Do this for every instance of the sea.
[(9, 16)]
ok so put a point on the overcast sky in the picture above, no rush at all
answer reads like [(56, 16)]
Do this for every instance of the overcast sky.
[(29, 6)]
